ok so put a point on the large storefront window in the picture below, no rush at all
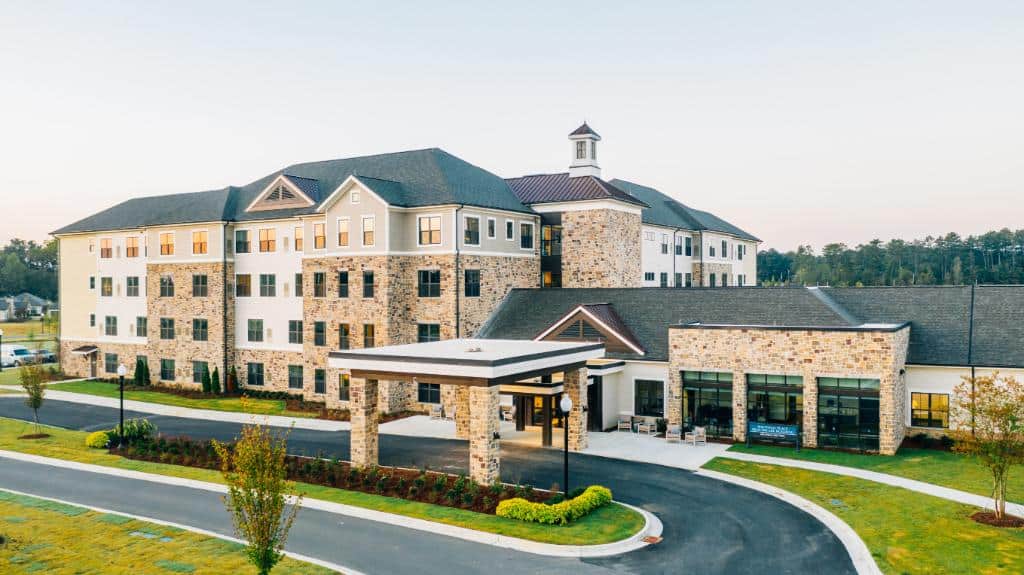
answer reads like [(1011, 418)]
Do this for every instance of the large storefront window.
[(848, 413), (775, 398), (707, 398), (649, 397)]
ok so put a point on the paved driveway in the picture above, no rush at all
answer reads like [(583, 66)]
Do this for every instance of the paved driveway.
[(709, 526)]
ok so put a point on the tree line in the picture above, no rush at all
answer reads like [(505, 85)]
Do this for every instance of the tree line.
[(29, 267), (995, 257)]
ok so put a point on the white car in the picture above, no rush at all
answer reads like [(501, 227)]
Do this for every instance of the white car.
[(15, 356)]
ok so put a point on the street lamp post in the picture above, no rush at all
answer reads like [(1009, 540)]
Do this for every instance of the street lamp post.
[(121, 372), (1, 349), (566, 405)]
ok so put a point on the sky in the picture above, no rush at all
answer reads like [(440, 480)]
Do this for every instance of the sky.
[(801, 122)]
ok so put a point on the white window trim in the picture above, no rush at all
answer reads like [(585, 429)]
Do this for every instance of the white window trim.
[(174, 244), (258, 250), (234, 240), (513, 237), (418, 229), (354, 197), (337, 232), (312, 236), (533, 234), (489, 220), (362, 231), (194, 232), (465, 218)]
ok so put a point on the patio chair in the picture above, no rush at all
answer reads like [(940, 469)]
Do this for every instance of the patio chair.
[(625, 423), (648, 426), (508, 414), (674, 433), (698, 435), (435, 412), (449, 415)]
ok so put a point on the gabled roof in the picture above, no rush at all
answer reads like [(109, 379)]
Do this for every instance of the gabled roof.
[(667, 211), (550, 188), (584, 130), (604, 315), (415, 178)]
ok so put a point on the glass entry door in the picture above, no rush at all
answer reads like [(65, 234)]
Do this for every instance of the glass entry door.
[(848, 415)]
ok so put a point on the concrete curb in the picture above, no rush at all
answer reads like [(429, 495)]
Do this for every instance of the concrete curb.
[(652, 525), (293, 555), (859, 553)]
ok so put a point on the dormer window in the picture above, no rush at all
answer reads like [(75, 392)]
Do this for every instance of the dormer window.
[(581, 150), (284, 193)]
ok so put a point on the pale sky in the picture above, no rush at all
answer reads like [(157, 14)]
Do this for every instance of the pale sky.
[(802, 122)]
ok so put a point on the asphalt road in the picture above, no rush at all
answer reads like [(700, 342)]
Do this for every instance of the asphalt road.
[(710, 527)]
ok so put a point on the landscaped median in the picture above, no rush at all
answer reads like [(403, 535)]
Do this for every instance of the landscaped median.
[(604, 525)]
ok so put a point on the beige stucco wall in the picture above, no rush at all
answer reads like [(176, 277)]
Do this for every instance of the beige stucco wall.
[(183, 243), (77, 301)]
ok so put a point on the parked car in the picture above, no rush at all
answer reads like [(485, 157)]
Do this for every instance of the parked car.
[(43, 356), (15, 355)]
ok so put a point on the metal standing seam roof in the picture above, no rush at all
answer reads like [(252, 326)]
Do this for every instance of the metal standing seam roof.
[(549, 188)]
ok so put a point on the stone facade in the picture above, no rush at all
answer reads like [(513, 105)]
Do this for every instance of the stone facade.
[(601, 248), (275, 369), (484, 445), (462, 409), (863, 353), (363, 408), (702, 273), (498, 275), (79, 365), (575, 384)]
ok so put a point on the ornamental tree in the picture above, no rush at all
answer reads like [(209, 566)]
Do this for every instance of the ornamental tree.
[(31, 377), (988, 424), (254, 469)]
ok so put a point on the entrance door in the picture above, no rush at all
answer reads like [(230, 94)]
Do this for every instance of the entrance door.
[(595, 417), (92, 365)]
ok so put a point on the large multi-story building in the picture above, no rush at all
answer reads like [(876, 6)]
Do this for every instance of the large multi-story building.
[(413, 246)]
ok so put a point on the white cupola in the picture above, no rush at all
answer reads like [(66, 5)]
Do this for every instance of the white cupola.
[(584, 152)]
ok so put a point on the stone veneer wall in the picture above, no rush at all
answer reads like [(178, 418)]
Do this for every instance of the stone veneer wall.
[(498, 275), (700, 279), (275, 369), (601, 248), (875, 354), (78, 365)]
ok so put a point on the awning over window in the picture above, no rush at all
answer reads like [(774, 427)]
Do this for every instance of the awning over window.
[(85, 350)]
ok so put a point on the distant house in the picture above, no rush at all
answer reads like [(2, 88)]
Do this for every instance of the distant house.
[(23, 305)]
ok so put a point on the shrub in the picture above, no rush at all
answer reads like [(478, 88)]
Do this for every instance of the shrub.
[(558, 514), (205, 381), (97, 440), (215, 381), (136, 430)]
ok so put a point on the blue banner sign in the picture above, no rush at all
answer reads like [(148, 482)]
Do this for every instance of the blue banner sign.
[(773, 430)]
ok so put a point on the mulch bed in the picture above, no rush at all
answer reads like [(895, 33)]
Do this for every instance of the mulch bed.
[(411, 484), (989, 518), (34, 436)]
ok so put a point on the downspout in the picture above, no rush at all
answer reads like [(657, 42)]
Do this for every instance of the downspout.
[(970, 346), (458, 300), (224, 297), (703, 272), (674, 232)]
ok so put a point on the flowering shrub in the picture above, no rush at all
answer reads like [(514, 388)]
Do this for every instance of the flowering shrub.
[(97, 440), (559, 513)]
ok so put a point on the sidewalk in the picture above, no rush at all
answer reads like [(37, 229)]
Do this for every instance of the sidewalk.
[(883, 478)]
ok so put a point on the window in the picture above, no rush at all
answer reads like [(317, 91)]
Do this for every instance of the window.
[(167, 370), (110, 325), (198, 369), (509, 230), (92, 320), (354, 197), (593, 150), (255, 374), (295, 331), (166, 328), (712, 279), (106, 287), (773, 398), (92, 246), (243, 285), (430, 230), (648, 276), (664, 243), (320, 381), (319, 284), (241, 241), (268, 240), (472, 283), (711, 251), (581, 150), (848, 413), (344, 333), (294, 377), (343, 284), (526, 236), (428, 332), (343, 232), (141, 326), (319, 333), (429, 393), (200, 285), (551, 240), (368, 231), (298, 232), (298, 285), (678, 280), (131, 247), (929, 410), (740, 249), (268, 285), (200, 329), (200, 242), (166, 286), (110, 362), (707, 401), (492, 228), (344, 386), (679, 246), (741, 279), (725, 249), (429, 283), (471, 235), (689, 246), (92, 282), (106, 248), (689, 280), (167, 244), (319, 237), (663, 279), (255, 330), (368, 335), (725, 279), (132, 286), (649, 236), (649, 397), (367, 283)]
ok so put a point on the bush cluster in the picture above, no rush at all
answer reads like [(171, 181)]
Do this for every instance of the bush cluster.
[(97, 440), (560, 513), (135, 430)]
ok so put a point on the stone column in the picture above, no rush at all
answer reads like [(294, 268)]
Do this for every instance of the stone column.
[(890, 429), (462, 412), (674, 409), (739, 405), (363, 409), (810, 422), (575, 385), (484, 447)]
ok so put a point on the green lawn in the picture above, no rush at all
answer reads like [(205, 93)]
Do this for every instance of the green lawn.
[(50, 537), (928, 465), (257, 406), (605, 525), (907, 532)]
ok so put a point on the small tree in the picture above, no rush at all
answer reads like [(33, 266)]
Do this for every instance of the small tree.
[(232, 381), (255, 472), (988, 424), (215, 381), (32, 382), (206, 381), (139, 373)]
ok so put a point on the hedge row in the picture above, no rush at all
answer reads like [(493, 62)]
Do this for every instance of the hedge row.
[(558, 514)]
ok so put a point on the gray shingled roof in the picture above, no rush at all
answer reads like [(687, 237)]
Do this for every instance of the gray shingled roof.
[(667, 211), (583, 131), (545, 188), (409, 179)]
